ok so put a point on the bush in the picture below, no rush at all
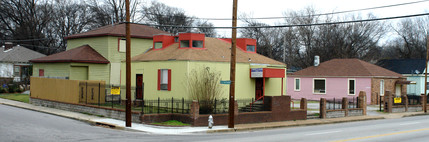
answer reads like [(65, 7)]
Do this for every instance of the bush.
[(204, 86), (3, 90)]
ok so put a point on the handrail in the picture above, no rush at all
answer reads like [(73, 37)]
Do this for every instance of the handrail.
[(251, 104)]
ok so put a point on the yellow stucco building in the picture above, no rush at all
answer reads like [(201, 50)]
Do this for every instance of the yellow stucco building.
[(96, 54), (164, 70)]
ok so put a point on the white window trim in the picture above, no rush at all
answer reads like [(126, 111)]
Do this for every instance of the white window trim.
[(294, 84), (348, 86), (382, 92), (313, 85)]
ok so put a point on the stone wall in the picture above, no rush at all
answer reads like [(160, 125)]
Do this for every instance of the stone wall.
[(335, 113), (278, 109), (355, 112), (95, 110), (345, 110)]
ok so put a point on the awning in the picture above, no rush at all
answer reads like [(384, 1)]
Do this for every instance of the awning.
[(267, 73), (403, 82)]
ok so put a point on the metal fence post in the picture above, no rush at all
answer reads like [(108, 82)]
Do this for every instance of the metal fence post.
[(99, 89), (334, 103), (111, 96), (183, 105), (142, 103), (158, 105), (86, 93), (172, 104)]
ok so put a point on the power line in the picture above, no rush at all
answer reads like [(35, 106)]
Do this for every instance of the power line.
[(295, 25), (15, 40), (322, 14)]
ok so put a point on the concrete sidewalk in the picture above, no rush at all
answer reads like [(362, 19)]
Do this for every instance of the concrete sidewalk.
[(119, 124)]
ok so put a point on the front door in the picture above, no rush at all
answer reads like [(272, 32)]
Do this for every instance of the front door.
[(259, 88), (139, 86), (398, 90)]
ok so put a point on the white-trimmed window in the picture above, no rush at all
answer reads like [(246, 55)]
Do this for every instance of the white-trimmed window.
[(197, 43), (16, 71), (382, 87), (122, 45), (184, 43), (351, 86), (164, 79), (319, 86), (250, 48), (158, 45), (297, 84)]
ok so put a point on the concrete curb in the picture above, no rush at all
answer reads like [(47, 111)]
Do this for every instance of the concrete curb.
[(89, 121), (320, 122)]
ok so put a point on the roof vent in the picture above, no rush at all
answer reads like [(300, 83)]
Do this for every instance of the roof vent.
[(316, 60)]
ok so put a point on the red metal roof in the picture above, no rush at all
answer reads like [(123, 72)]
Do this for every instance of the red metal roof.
[(346, 67), (82, 54), (137, 31)]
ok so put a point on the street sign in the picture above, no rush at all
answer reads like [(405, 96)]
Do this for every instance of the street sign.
[(225, 82), (115, 91), (397, 100), (256, 73)]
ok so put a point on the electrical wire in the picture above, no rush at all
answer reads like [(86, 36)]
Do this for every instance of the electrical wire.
[(295, 25), (322, 14)]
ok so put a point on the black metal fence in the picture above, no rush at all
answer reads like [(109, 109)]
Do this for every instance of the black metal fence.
[(337, 103), (165, 106), (103, 96), (414, 100)]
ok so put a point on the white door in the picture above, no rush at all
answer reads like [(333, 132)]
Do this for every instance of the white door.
[(398, 90)]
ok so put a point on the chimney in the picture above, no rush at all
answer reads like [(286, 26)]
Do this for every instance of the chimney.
[(8, 45), (316, 60)]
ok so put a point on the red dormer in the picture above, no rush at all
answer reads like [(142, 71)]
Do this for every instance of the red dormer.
[(247, 44), (192, 40), (162, 41)]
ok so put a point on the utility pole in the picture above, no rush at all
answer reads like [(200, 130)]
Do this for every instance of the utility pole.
[(128, 66), (426, 70), (233, 58)]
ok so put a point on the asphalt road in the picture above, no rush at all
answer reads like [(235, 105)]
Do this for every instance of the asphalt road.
[(23, 125)]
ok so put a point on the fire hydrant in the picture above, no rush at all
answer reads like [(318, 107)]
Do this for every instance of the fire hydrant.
[(211, 122)]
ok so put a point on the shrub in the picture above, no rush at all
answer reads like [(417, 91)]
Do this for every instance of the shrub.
[(203, 85)]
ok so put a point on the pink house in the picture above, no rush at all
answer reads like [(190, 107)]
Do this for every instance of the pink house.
[(340, 78)]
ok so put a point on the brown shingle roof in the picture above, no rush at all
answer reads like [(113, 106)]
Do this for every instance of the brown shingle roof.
[(82, 54), (215, 50), (137, 31), (346, 67)]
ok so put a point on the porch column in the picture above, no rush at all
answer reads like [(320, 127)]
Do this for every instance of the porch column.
[(263, 86), (282, 86)]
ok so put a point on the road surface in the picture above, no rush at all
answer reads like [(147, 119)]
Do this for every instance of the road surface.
[(23, 125)]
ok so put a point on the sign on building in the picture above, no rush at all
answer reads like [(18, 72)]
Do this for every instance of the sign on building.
[(256, 73), (115, 91), (397, 100)]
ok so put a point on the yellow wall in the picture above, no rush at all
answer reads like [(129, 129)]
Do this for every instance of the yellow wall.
[(107, 46), (245, 86), (68, 91), (95, 71), (52, 69)]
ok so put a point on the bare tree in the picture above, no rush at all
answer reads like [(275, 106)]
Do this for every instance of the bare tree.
[(161, 14), (112, 11), (25, 22), (209, 32), (71, 18), (411, 42)]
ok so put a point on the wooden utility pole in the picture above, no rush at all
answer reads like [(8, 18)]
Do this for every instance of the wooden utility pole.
[(233, 58), (128, 66), (426, 71)]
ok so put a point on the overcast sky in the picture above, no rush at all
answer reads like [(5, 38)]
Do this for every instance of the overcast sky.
[(276, 8)]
